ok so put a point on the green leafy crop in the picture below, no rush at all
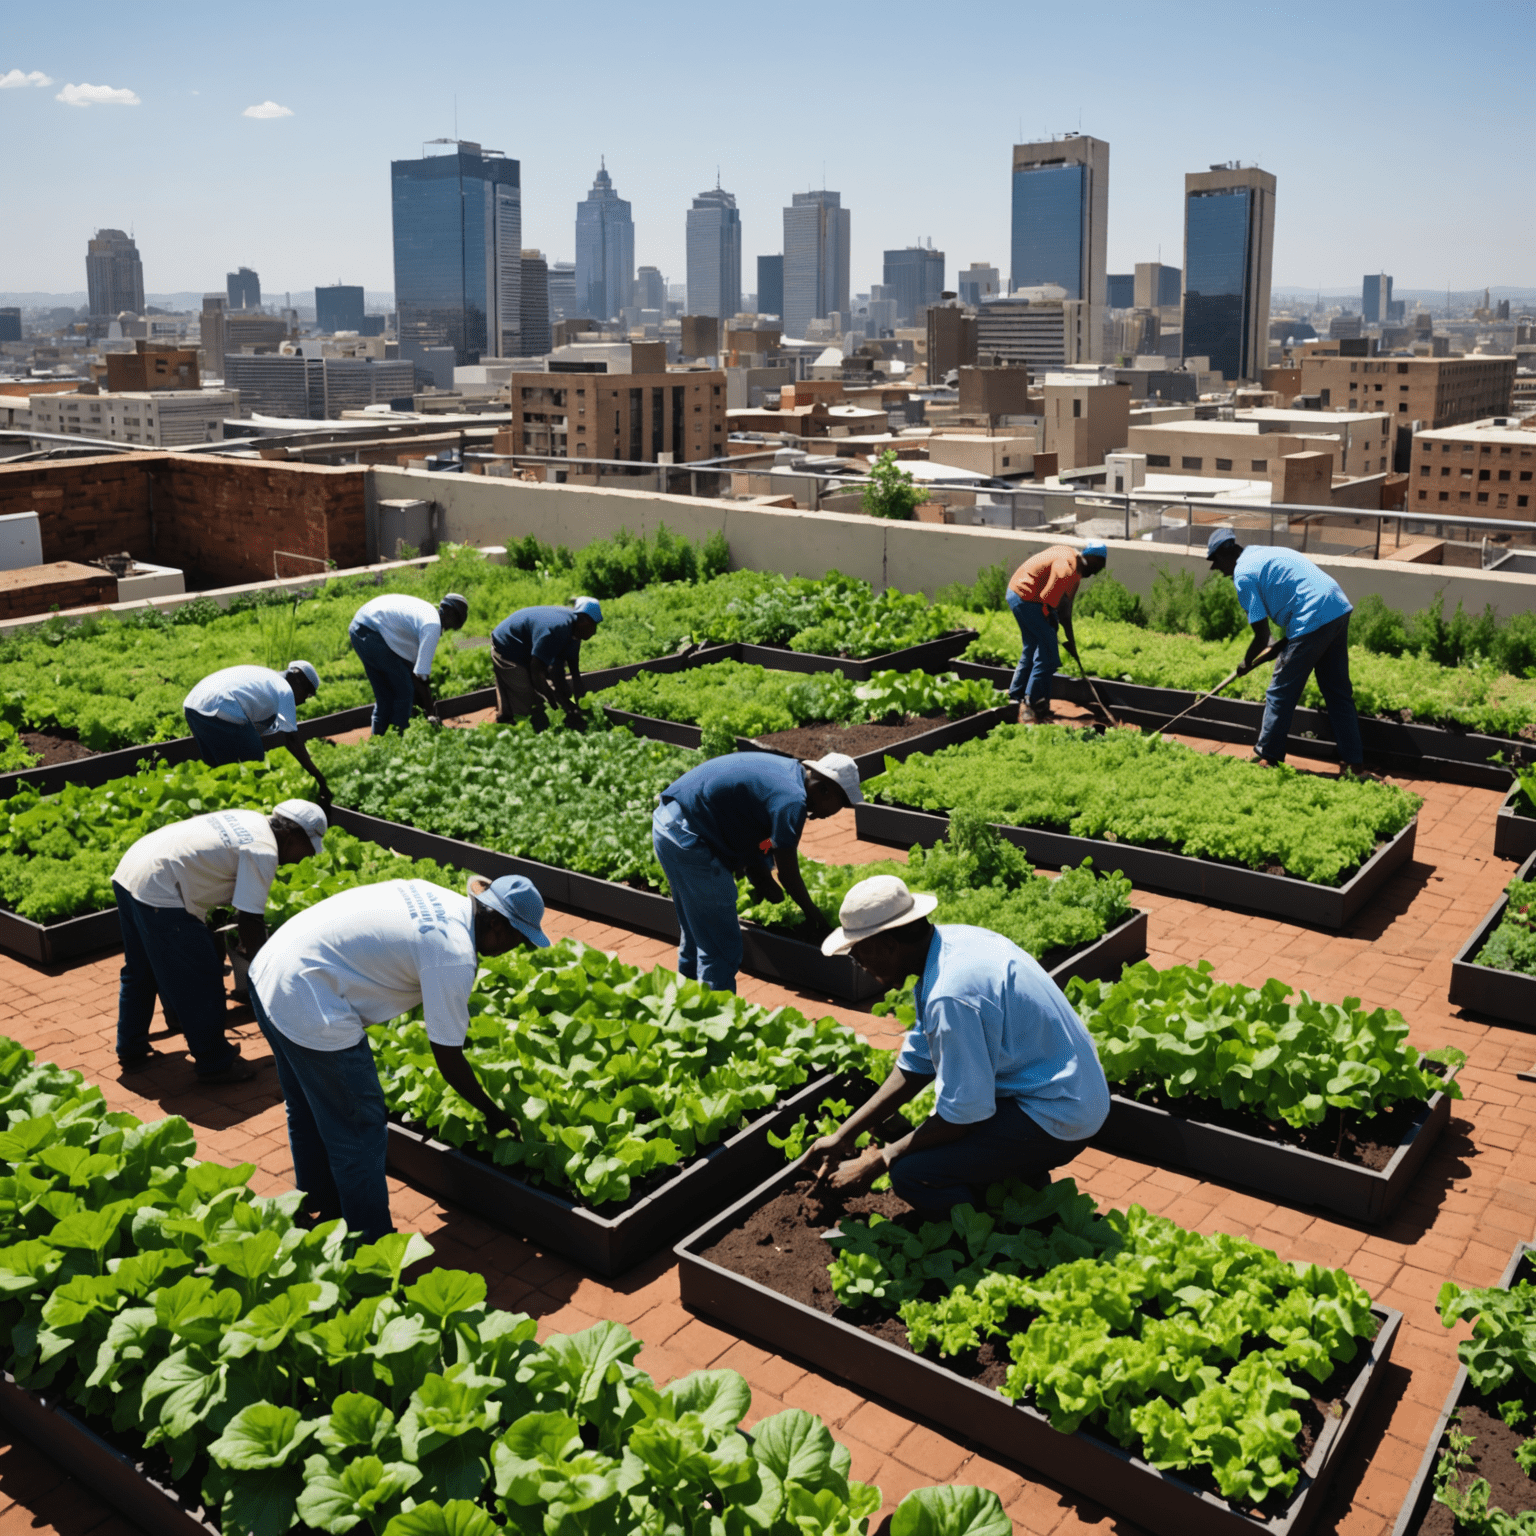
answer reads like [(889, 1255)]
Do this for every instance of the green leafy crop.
[(1512, 945), (343, 863)]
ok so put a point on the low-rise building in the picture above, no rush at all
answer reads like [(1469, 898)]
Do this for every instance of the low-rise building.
[(1437, 391), (154, 418), (1085, 420), (315, 388), (630, 416), (1039, 327), (1247, 449), (1483, 468)]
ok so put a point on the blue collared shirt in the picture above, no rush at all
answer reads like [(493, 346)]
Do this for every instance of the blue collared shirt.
[(744, 806), (992, 1024), (545, 634), (1286, 588)]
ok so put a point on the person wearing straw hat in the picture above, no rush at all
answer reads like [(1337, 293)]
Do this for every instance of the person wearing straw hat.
[(165, 884), (531, 651), (395, 636), (230, 711), (1040, 596), (1019, 1089), (362, 957), (1281, 586), (741, 814)]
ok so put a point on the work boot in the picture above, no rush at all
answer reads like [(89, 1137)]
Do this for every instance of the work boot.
[(238, 1071), (1034, 712)]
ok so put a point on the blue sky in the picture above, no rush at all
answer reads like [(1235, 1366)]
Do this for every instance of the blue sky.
[(1384, 160)]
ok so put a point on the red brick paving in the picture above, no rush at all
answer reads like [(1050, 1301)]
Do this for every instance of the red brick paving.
[(1472, 1202)]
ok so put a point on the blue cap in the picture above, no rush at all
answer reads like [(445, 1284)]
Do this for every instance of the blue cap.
[(589, 606), (1219, 537), (518, 900), (1097, 547)]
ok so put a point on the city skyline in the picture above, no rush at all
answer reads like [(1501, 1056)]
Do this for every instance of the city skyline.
[(288, 170)]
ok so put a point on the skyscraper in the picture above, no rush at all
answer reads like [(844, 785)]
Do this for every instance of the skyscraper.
[(536, 338), (1061, 216), (114, 276), (1157, 286), (650, 290), (978, 282), (914, 277), (1376, 298), (714, 255), (1121, 290), (459, 252), (816, 238), (339, 307), (605, 250), (562, 293), (243, 289), (770, 285), (1229, 232)]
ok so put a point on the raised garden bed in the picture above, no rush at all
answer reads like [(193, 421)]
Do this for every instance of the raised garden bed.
[(1514, 835), (1162, 1502), (1223, 885), (1508, 995), (930, 656), (1418, 1512)]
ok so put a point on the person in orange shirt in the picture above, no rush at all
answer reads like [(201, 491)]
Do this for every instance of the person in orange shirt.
[(1041, 595)]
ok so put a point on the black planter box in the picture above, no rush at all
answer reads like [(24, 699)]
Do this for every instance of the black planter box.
[(1508, 995), (1421, 1489), (49, 943), (1222, 885), (1401, 747), (1156, 1501), (1291, 1174), (610, 1245), (930, 656), (1514, 835)]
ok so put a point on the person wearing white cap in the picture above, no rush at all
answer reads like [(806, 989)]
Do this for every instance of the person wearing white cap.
[(531, 651), (164, 885), (395, 636), (230, 711), (742, 813), (1040, 596), (362, 957), (1018, 1084)]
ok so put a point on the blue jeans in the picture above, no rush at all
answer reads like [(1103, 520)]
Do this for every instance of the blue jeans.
[(168, 953), (224, 741), (389, 675), (1008, 1146), (337, 1129), (704, 893), (1040, 657), (1326, 652)]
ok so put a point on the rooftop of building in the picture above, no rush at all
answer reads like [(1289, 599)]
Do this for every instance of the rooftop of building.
[(1491, 429)]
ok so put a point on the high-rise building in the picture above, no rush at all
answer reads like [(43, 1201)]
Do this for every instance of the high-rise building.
[(980, 281), (339, 308), (714, 255), (10, 324), (650, 290), (605, 250), (1229, 236), (562, 292), (1376, 298), (535, 305), (1157, 286), (114, 276), (816, 239), (1120, 290), (770, 285), (914, 278), (243, 289), (458, 221), (1061, 216)]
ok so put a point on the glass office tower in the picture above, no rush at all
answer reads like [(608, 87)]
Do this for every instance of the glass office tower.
[(605, 250), (714, 255), (1229, 222), (1048, 227), (770, 285), (458, 226)]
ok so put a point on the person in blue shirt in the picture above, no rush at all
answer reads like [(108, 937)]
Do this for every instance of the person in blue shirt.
[(731, 816), (1018, 1085), (531, 651), (1282, 587)]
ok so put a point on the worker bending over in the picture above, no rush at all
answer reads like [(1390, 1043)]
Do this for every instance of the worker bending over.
[(1041, 595), (164, 885), (230, 711), (395, 637), (1019, 1088), (531, 651)]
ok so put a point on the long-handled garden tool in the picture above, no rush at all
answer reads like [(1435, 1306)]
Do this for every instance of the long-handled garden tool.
[(1094, 690), (1221, 687)]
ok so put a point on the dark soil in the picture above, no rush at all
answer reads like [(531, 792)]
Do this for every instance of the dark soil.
[(1493, 1457), (53, 747), (809, 741)]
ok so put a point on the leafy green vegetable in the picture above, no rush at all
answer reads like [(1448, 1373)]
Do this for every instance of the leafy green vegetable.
[(1512, 945), (344, 862)]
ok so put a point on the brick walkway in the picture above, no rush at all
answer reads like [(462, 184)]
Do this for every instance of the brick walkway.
[(1469, 1207)]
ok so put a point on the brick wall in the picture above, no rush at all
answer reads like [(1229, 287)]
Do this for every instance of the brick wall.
[(60, 584), (85, 508)]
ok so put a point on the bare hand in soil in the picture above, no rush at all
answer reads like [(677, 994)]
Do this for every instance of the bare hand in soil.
[(858, 1170)]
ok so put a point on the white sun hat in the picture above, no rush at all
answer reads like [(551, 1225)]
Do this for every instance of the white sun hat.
[(872, 906), (843, 772)]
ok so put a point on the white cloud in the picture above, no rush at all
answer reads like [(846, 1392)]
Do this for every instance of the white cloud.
[(15, 79), (268, 109), (97, 96)]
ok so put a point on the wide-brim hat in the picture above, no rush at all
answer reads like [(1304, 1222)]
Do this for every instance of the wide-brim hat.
[(843, 772), (872, 906)]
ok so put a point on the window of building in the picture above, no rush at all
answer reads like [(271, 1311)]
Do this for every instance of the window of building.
[(1402, 406), (1445, 495), (1522, 501), (1403, 368), (1190, 463), (1484, 474), (1503, 499), (1423, 470), (1353, 367), (1465, 496), (1445, 469), (1077, 408), (1525, 474), (1162, 461), (1482, 496), (717, 389), (1223, 463), (1503, 474), (1383, 464), (1423, 495), (1259, 466)]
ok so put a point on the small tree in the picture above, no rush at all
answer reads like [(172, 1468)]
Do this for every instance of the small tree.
[(891, 491)]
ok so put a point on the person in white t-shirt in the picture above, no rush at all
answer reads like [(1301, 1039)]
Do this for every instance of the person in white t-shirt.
[(231, 710), (396, 637), (165, 884), (362, 957)]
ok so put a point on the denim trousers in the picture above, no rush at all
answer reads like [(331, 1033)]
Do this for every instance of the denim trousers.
[(224, 741), (1040, 657), (169, 954), (1324, 651), (337, 1131), (704, 893), (1008, 1146), (389, 675)]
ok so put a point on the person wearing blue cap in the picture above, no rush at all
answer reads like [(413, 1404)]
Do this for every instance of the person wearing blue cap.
[(396, 636), (1040, 596), (231, 710), (362, 957), (1283, 587), (531, 651)]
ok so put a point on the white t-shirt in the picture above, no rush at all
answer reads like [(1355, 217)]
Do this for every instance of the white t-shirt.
[(254, 694), (410, 627), (368, 955), (226, 858)]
